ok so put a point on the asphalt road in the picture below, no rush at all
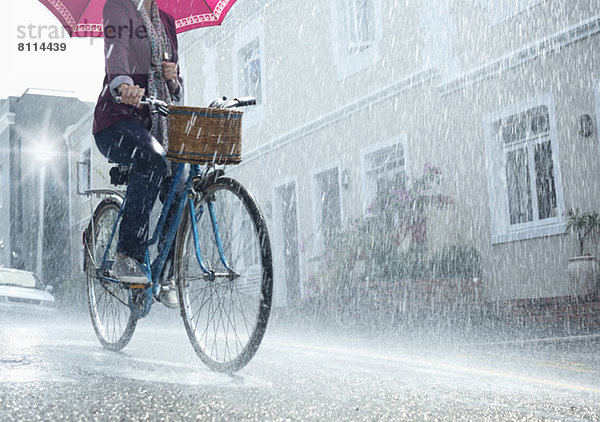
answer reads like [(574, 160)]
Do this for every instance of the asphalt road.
[(56, 370)]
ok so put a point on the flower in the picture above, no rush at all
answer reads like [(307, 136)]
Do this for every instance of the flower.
[(428, 168), (401, 206), (302, 245)]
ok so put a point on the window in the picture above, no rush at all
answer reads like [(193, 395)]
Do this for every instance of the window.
[(438, 30), (526, 144), (384, 168), (328, 217), (499, 11), (357, 31), (250, 76), (359, 22), (525, 190), (84, 172)]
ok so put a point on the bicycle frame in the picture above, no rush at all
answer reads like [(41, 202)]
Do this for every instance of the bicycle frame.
[(154, 268)]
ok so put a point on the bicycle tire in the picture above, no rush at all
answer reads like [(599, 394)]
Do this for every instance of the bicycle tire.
[(233, 313), (107, 302)]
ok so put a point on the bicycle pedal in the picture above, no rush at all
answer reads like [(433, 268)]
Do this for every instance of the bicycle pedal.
[(134, 286)]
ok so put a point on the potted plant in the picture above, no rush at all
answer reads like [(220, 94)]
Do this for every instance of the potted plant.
[(583, 269)]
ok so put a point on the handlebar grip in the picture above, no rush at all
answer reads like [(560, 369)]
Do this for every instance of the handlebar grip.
[(142, 101), (245, 101), (157, 106)]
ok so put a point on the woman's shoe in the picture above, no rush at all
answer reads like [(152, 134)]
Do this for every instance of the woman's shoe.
[(168, 294), (129, 270)]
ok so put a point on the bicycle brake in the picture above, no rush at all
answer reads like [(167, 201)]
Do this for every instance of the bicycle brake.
[(200, 183)]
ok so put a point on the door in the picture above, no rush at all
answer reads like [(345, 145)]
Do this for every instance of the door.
[(327, 207), (288, 240)]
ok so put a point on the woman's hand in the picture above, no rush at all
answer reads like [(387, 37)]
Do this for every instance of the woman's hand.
[(169, 71), (131, 95)]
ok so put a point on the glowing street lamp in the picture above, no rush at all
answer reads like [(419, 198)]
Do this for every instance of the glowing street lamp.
[(43, 154)]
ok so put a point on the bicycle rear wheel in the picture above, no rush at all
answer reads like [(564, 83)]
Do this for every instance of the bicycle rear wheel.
[(108, 303), (226, 313)]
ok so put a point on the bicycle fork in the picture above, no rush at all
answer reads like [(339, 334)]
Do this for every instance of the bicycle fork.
[(210, 273)]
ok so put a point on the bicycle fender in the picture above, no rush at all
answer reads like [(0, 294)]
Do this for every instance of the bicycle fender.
[(200, 184), (87, 232)]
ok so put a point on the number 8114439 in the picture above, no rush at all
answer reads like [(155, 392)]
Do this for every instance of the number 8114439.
[(42, 46)]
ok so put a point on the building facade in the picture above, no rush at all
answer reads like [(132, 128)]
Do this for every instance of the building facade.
[(503, 97), (7, 121), (87, 169), (33, 188)]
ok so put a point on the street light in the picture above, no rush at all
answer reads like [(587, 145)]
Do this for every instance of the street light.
[(43, 154)]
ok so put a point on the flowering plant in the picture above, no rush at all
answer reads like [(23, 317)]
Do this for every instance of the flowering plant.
[(397, 214), (400, 207), (369, 251)]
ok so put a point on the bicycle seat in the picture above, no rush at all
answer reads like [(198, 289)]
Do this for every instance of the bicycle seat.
[(119, 175)]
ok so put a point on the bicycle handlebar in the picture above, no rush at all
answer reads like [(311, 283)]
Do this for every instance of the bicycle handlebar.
[(243, 102), (224, 102), (218, 103)]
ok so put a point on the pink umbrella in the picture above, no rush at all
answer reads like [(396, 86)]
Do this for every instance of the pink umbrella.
[(83, 18)]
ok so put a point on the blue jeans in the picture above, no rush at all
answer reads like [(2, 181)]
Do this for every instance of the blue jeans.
[(129, 143), (164, 190)]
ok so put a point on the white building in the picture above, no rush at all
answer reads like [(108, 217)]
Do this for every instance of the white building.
[(33, 174), (352, 92)]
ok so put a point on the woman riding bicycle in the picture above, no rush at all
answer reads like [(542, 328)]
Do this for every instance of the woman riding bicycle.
[(140, 47)]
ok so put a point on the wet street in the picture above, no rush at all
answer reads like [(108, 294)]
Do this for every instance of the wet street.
[(56, 370)]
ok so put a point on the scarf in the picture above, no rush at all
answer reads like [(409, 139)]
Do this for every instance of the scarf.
[(157, 85)]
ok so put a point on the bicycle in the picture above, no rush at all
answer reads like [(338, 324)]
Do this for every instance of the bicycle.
[(222, 264)]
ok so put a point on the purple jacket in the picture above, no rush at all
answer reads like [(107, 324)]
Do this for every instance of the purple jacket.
[(128, 58)]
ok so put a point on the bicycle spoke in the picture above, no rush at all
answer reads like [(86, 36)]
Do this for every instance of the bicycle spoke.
[(226, 316), (233, 326), (108, 303), (245, 320)]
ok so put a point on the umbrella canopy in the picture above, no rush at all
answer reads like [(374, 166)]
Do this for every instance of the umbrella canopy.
[(83, 18)]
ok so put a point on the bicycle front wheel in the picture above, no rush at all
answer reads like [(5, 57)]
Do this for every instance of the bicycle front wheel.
[(225, 308), (108, 303)]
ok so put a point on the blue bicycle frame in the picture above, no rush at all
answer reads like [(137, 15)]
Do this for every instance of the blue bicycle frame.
[(154, 268)]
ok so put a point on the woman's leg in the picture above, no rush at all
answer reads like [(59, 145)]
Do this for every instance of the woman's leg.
[(130, 144), (164, 190)]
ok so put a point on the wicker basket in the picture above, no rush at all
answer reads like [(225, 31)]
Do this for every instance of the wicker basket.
[(205, 135)]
